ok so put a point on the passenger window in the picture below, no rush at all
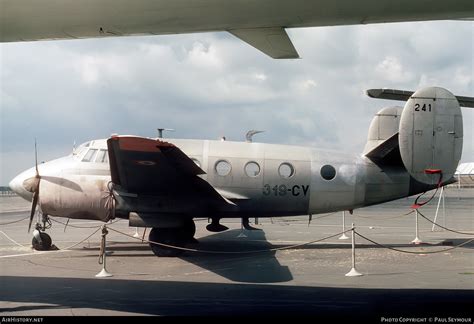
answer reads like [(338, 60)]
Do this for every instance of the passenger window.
[(286, 170), (328, 172), (102, 157), (90, 155), (252, 169), (223, 168)]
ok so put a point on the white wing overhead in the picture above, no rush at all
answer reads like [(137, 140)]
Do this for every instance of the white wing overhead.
[(273, 41), (260, 23)]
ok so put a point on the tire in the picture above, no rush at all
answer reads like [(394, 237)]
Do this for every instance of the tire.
[(189, 229), (45, 243), (168, 236)]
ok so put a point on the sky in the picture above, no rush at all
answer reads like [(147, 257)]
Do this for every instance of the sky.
[(210, 85)]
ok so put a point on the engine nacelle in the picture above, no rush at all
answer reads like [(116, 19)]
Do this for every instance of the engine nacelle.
[(431, 135)]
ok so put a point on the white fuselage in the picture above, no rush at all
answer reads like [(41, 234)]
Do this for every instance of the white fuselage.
[(282, 180)]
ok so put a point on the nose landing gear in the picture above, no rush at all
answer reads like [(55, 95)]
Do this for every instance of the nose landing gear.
[(42, 241)]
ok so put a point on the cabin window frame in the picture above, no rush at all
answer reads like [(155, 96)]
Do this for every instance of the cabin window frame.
[(92, 158), (292, 169), (247, 171), (105, 158), (218, 163), (329, 168)]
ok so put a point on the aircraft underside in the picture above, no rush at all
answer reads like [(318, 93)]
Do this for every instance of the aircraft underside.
[(259, 23)]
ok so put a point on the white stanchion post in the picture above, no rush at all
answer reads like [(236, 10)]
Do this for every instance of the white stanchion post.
[(417, 239), (353, 272), (444, 211), (136, 233), (344, 236), (437, 208), (103, 245)]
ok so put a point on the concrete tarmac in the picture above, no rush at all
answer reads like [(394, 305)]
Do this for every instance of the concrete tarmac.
[(308, 281)]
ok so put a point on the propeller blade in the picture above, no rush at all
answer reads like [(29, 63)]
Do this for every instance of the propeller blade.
[(34, 187), (33, 207), (36, 159)]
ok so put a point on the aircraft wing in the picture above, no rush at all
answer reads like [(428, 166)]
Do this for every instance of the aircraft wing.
[(141, 165), (272, 41), (260, 23)]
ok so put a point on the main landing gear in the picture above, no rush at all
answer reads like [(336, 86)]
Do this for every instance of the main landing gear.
[(42, 241), (171, 237)]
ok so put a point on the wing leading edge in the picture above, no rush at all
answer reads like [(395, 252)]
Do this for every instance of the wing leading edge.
[(260, 23)]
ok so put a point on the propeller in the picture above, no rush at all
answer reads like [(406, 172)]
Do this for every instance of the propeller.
[(33, 187)]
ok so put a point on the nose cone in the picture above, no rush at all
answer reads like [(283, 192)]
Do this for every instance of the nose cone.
[(18, 186)]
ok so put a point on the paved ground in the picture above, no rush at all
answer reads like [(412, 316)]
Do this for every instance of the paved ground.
[(306, 281)]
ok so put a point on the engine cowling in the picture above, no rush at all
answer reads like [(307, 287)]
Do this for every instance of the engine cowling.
[(431, 135)]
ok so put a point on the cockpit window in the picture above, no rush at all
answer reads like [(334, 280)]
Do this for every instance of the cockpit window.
[(102, 157), (81, 149), (96, 155), (90, 155)]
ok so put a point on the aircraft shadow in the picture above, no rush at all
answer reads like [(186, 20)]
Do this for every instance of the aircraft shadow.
[(457, 242), (175, 298), (240, 265), (259, 267)]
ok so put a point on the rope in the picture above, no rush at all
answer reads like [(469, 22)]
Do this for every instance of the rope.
[(110, 201), (12, 240), (230, 252), (76, 226), (302, 220), (324, 216), (417, 205), (17, 221), (449, 230), (385, 218), (66, 248), (413, 252), (69, 247)]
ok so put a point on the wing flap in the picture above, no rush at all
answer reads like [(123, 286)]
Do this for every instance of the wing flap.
[(273, 41)]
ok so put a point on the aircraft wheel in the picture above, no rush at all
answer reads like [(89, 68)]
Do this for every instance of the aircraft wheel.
[(45, 243), (168, 236), (189, 230)]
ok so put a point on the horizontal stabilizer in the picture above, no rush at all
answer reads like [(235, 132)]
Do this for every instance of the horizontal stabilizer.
[(273, 41), (403, 95), (384, 148)]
